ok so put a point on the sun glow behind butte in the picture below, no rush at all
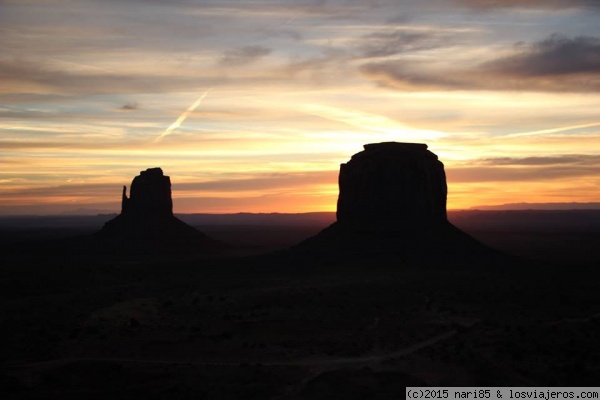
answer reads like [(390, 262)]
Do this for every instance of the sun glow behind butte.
[(506, 94)]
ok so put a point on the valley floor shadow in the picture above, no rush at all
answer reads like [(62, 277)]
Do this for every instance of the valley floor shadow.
[(281, 326)]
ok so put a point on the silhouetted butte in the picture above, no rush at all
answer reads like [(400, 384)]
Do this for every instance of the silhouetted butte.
[(147, 223), (392, 201)]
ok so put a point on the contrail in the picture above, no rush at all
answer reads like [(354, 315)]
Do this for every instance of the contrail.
[(182, 117), (551, 130)]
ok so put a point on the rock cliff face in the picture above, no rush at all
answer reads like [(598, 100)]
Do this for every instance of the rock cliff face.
[(150, 195), (392, 201), (147, 223), (394, 185)]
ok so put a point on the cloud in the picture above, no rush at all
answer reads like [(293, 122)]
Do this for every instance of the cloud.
[(388, 43), (556, 64), (527, 169), (569, 159), (327, 67), (50, 193), (550, 131), (19, 76), (552, 4), (411, 75), (262, 182), (244, 55), (21, 79), (515, 174), (555, 56), (380, 124), (129, 107)]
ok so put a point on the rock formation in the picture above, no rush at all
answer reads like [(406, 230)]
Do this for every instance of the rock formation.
[(147, 223), (392, 185), (150, 195), (392, 200)]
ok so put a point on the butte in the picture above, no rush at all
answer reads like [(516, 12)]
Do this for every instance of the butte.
[(147, 223), (392, 203)]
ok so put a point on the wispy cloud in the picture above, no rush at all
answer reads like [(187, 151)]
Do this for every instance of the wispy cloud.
[(556, 64), (400, 41), (556, 56), (129, 107), (568, 159), (244, 55), (492, 4), (262, 181), (393, 130), (526, 173), (29, 77), (550, 130)]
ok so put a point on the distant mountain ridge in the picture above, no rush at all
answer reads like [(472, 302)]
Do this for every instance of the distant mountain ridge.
[(323, 218), (251, 217)]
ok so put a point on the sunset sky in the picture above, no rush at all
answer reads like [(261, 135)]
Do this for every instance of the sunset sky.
[(250, 106)]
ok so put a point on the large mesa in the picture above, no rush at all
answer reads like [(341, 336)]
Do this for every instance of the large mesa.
[(394, 185), (392, 200)]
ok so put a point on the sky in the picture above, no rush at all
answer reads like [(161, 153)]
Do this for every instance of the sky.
[(251, 106)]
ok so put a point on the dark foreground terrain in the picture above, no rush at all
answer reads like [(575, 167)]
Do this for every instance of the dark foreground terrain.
[(289, 327)]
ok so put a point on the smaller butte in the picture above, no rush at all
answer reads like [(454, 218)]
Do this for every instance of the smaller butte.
[(147, 223)]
